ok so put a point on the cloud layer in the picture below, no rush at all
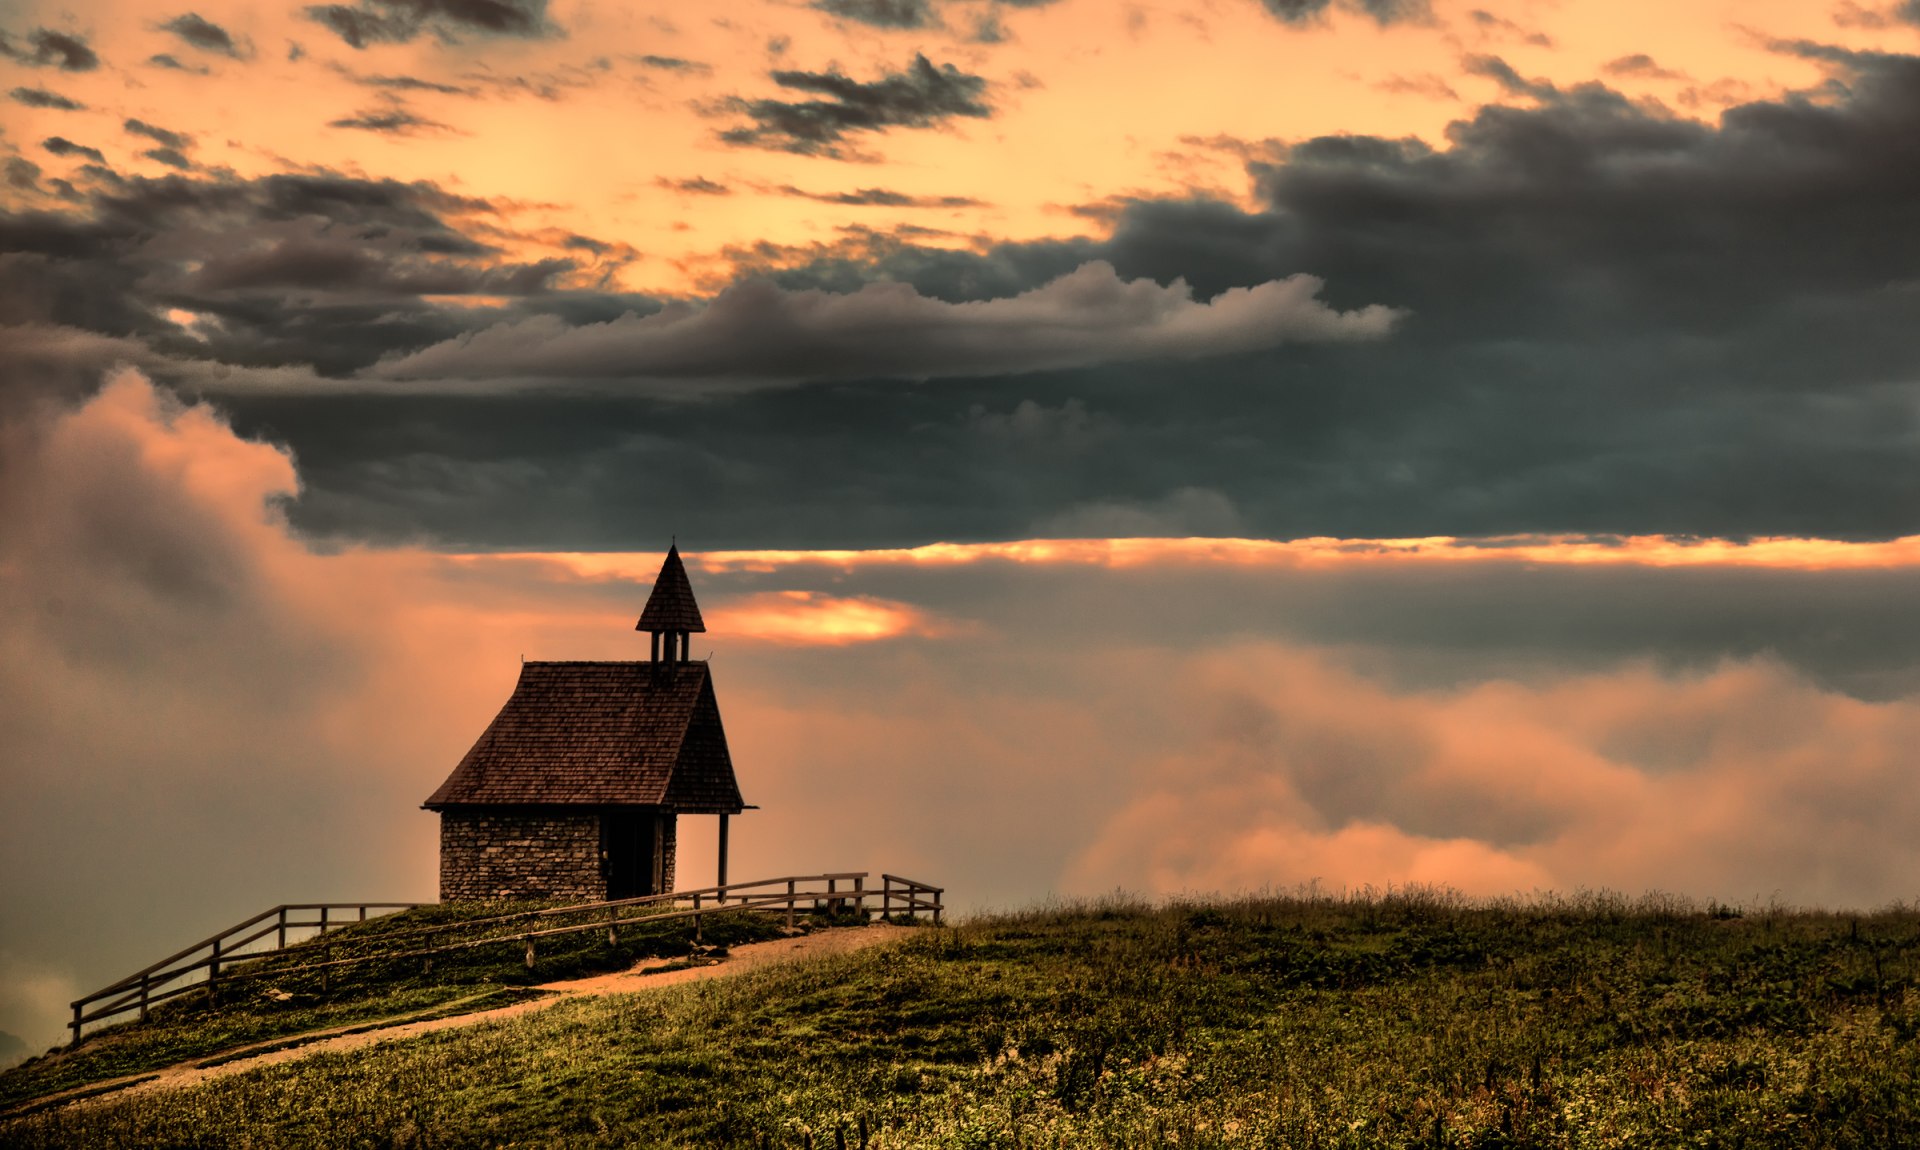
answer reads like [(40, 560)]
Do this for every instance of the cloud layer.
[(187, 680), (1617, 315), (759, 333), (923, 95)]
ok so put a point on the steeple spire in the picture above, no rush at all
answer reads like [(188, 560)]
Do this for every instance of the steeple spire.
[(671, 611)]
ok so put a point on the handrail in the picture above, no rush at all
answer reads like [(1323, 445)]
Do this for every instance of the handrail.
[(145, 987)]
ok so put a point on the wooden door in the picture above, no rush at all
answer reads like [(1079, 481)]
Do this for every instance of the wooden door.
[(630, 843)]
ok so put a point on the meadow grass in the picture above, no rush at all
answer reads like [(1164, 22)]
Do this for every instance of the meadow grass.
[(272, 1006), (1409, 1020)]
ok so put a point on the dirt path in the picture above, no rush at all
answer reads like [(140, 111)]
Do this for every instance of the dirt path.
[(206, 1067)]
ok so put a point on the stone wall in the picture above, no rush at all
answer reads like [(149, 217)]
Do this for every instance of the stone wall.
[(515, 855), (670, 841), (538, 854)]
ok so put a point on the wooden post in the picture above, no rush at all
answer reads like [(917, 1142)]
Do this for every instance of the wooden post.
[(723, 859), (213, 969), (886, 897), (363, 912), (789, 904), (323, 920), (145, 982), (613, 926), (75, 1025), (529, 952), (696, 918), (860, 897), (283, 928)]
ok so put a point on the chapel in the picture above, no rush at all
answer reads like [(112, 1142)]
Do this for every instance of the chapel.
[(576, 788)]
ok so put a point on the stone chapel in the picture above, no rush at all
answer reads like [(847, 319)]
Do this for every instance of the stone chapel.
[(576, 788)]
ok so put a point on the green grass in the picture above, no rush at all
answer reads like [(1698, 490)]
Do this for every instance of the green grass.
[(1406, 1021), (274, 1006)]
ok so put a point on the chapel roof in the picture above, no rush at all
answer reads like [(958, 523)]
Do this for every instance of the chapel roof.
[(601, 734), (671, 606)]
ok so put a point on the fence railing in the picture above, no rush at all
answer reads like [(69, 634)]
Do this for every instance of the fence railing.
[(223, 959), (175, 974)]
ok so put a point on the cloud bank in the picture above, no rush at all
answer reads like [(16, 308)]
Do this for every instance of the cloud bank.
[(758, 333), (187, 680)]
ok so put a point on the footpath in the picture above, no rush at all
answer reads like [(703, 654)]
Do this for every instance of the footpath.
[(641, 978)]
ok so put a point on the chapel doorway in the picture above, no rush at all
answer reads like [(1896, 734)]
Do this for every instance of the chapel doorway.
[(631, 843)]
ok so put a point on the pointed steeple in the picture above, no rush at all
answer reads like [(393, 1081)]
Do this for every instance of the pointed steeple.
[(671, 610)]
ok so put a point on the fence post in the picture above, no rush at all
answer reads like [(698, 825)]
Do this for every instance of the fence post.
[(860, 896), (363, 912), (213, 969), (789, 904), (937, 892), (697, 936), (613, 926), (145, 981), (323, 920), (75, 1025), (886, 897), (283, 926), (529, 952)]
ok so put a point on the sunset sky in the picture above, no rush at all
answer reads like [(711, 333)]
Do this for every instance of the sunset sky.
[(1173, 447)]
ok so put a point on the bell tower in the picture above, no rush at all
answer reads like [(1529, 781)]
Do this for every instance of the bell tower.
[(671, 613)]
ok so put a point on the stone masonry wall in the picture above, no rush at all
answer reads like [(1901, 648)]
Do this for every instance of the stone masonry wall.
[(511, 855), (669, 842)]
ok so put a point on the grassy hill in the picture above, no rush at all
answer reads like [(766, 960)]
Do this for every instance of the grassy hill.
[(1412, 1020)]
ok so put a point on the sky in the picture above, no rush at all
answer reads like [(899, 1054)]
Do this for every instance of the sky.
[(1173, 448)]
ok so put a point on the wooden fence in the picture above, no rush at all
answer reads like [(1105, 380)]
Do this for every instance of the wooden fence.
[(174, 975), (223, 959)]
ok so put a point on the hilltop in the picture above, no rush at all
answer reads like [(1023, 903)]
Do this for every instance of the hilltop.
[(1413, 1019)]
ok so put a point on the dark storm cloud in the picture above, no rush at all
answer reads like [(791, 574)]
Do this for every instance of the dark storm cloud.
[(61, 146), (697, 185), (882, 13), (45, 47), (879, 198), (672, 64), (400, 21), (756, 334), (407, 84), (159, 135), (172, 63), (1383, 11), (920, 97), (1503, 74), (1427, 84), (1642, 65), (1489, 24), (41, 98), (1618, 321), (290, 273), (203, 34), (22, 173), (390, 121), (171, 157)]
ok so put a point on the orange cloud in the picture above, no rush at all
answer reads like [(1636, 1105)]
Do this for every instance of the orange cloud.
[(1744, 781), (1657, 551), (809, 618), (184, 679)]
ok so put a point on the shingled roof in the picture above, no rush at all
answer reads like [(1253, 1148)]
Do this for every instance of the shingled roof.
[(671, 606), (602, 734)]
